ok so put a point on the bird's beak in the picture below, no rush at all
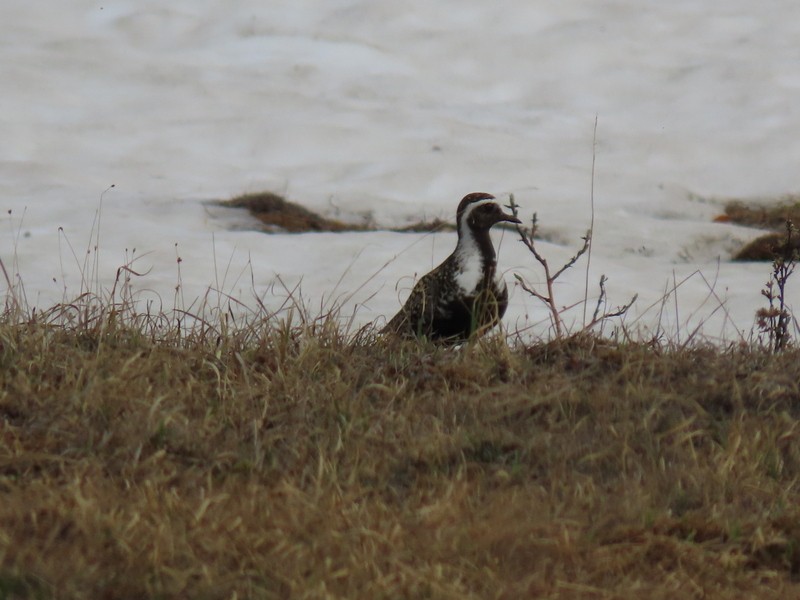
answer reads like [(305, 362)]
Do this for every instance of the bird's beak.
[(508, 218)]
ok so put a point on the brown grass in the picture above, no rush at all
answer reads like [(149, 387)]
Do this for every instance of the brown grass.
[(294, 461), (764, 216), (768, 246), (427, 226), (279, 214)]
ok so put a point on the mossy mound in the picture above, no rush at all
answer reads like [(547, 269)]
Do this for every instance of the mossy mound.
[(767, 247)]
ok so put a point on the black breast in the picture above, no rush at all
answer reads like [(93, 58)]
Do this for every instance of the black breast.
[(463, 316)]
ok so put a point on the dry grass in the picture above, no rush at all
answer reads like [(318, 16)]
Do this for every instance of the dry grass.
[(764, 216), (767, 246), (278, 461), (277, 214)]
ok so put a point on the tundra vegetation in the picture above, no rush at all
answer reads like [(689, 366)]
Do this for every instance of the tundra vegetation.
[(160, 455)]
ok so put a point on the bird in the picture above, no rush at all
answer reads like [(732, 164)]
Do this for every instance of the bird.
[(464, 296)]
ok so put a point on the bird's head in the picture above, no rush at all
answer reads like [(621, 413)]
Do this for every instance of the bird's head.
[(479, 211)]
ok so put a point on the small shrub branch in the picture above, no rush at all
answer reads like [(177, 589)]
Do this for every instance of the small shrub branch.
[(527, 237), (775, 320)]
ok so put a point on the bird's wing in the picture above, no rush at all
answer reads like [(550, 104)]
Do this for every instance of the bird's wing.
[(422, 306)]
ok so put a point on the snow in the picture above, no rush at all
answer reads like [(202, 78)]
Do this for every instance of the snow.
[(393, 111)]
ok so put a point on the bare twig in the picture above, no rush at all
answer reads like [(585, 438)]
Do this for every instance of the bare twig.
[(527, 238), (600, 299), (548, 298), (587, 242), (620, 311)]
